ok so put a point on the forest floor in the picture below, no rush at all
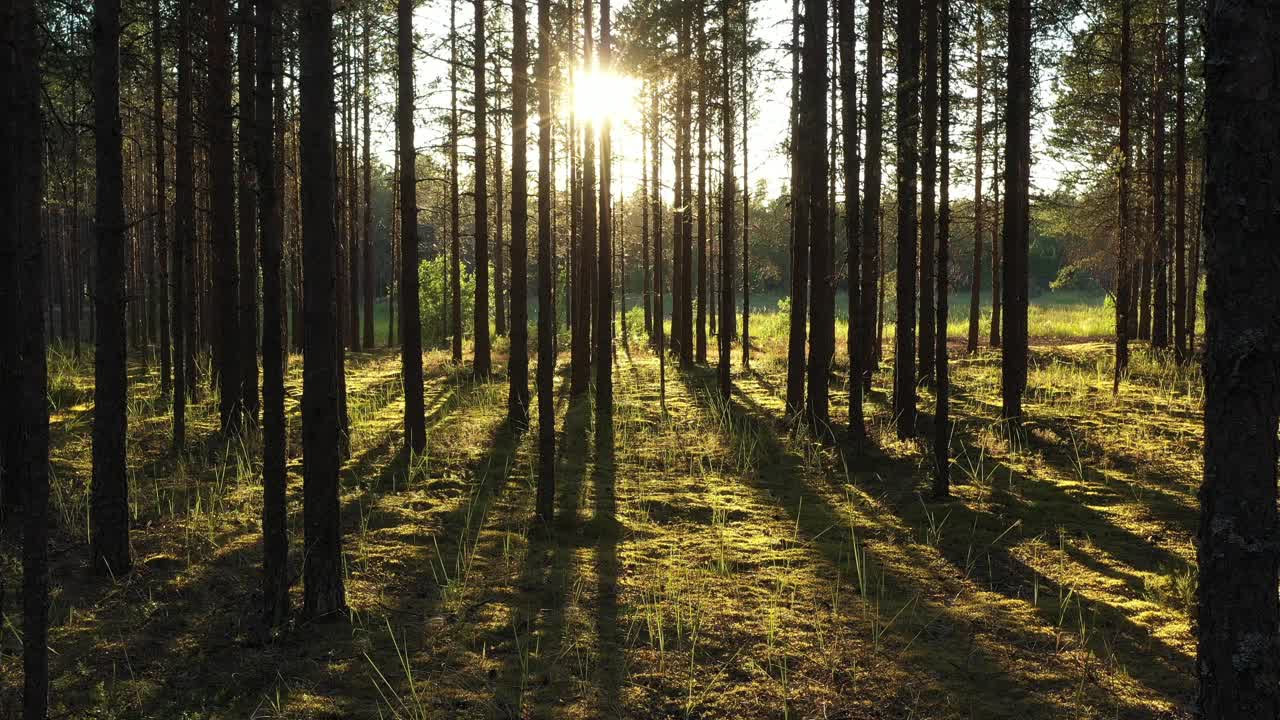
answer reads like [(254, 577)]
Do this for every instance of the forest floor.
[(705, 562)]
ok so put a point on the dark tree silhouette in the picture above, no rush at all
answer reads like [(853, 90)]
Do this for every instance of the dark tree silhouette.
[(866, 327), (184, 230), (324, 592), (1180, 330), (546, 311), (481, 361), (1017, 210), (275, 514), (1122, 250), (815, 168), (908, 107), (1238, 657), (797, 328), (518, 365), (109, 501), (247, 205), (415, 429), (928, 190), (222, 236), (942, 380), (603, 335), (975, 287)]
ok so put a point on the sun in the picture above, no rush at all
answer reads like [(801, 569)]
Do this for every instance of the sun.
[(599, 95)]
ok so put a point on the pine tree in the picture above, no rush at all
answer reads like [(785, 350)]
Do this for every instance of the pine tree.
[(275, 514), (908, 109), (415, 428), (518, 366), (603, 335), (324, 591), (1017, 210), (222, 236), (247, 206), (1238, 657), (109, 501), (546, 311), (813, 111), (480, 363)]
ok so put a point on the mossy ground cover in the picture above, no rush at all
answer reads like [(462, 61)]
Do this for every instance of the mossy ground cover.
[(706, 561)]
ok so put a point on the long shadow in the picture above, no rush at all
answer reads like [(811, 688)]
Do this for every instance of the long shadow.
[(607, 530), (544, 584), (781, 480)]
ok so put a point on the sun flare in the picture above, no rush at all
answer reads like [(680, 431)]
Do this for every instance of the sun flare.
[(600, 95)]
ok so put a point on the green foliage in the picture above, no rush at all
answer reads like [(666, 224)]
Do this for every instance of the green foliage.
[(433, 286)]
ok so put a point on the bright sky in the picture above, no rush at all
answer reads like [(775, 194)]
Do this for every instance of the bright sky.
[(770, 103)]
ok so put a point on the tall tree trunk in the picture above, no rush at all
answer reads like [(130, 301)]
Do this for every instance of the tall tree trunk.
[(659, 323), (908, 107), (184, 229), (546, 311), (746, 189), (646, 290), (518, 365), (975, 287), (942, 381), (480, 363), (604, 262), (222, 236), (1238, 657), (847, 42), (929, 188), (455, 242), (26, 439), (109, 502), (248, 218), (580, 359), (499, 257), (813, 112), (366, 230), (324, 591), (1180, 332), (275, 515), (797, 326), (1017, 210), (686, 216), (867, 325), (997, 267), (1122, 250), (704, 89), (415, 429), (159, 225), (727, 195), (1160, 268)]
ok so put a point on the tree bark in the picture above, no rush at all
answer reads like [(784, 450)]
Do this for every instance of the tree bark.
[(247, 205), (603, 335), (160, 239), (324, 591), (546, 311), (518, 365), (222, 235), (975, 287), (1180, 332), (866, 327), (1017, 210), (908, 107), (929, 189), (942, 379), (797, 326), (415, 429), (1122, 250), (109, 502), (1238, 658), (275, 514)]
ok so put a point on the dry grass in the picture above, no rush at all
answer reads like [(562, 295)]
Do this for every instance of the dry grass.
[(705, 562)]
